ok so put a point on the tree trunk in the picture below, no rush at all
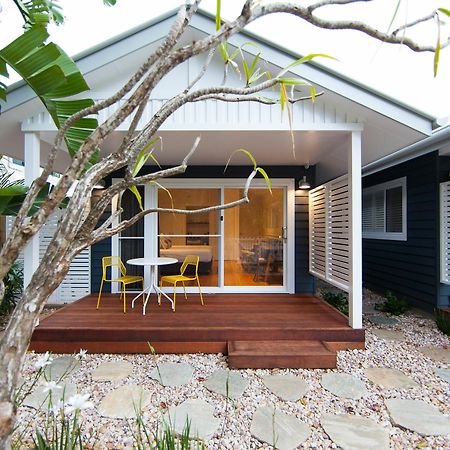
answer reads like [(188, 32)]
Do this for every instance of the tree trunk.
[(15, 341)]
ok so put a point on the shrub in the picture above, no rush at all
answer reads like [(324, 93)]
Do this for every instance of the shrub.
[(393, 305), (443, 322), (13, 288), (336, 299)]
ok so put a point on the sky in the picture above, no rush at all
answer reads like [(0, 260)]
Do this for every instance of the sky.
[(391, 69)]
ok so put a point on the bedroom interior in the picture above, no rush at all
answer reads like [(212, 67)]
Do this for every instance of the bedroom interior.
[(253, 245)]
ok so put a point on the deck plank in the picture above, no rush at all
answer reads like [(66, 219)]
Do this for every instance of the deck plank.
[(193, 327)]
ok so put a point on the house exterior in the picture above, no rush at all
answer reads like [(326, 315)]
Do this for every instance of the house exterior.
[(413, 259), (281, 242)]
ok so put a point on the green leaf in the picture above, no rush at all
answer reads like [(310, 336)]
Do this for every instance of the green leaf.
[(3, 68), (266, 177), (52, 74), (143, 156), (437, 51), (293, 81), (218, 7), (303, 60), (136, 193), (445, 11), (16, 189), (37, 60), (243, 151), (24, 44)]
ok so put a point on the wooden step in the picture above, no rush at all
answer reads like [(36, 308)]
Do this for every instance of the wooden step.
[(281, 354)]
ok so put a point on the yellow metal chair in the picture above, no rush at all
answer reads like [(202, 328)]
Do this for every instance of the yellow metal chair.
[(190, 260), (115, 261)]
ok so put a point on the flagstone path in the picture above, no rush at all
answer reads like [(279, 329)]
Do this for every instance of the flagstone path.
[(389, 378), (278, 429), (392, 395), (344, 385), (355, 433), (228, 383), (112, 371), (172, 374), (289, 388)]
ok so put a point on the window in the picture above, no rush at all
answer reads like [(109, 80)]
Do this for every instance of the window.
[(384, 211)]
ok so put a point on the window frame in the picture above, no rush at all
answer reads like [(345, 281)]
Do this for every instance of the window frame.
[(383, 187)]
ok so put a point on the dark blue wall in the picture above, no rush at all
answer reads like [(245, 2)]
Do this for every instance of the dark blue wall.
[(304, 282), (409, 268)]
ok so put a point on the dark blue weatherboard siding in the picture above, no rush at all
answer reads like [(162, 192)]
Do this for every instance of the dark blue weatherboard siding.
[(304, 282), (98, 251), (409, 268)]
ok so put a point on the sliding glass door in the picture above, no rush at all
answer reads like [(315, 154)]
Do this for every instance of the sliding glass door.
[(253, 235), (180, 235), (248, 248)]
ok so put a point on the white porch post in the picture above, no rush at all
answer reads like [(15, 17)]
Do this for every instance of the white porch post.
[(32, 157), (355, 231)]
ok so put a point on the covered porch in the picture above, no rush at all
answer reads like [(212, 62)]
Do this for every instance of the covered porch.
[(254, 330)]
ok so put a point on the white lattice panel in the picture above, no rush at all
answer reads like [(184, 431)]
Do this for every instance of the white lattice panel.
[(445, 232), (317, 229)]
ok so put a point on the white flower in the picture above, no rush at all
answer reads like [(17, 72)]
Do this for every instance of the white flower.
[(81, 354), (50, 386), (78, 402), (43, 360)]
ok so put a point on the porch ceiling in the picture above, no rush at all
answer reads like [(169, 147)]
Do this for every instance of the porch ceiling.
[(325, 149)]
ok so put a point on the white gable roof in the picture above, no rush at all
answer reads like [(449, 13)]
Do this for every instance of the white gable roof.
[(321, 129)]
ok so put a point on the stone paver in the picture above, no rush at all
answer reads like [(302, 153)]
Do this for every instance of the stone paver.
[(124, 402), (418, 416), (438, 354), (226, 382), (172, 374), (344, 385), (283, 431), (39, 399), (288, 387), (112, 371), (389, 335), (355, 433), (444, 374), (390, 378), (200, 415), (383, 320), (62, 367)]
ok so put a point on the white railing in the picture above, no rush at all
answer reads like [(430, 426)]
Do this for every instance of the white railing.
[(329, 248), (445, 232)]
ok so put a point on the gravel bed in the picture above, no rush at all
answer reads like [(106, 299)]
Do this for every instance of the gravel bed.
[(236, 415)]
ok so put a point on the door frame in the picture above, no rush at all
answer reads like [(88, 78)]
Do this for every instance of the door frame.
[(151, 230)]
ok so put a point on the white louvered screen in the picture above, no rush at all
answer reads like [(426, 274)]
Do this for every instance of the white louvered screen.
[(329, 232), (445, 232), (77, 282), (338, 232), (317, 229)]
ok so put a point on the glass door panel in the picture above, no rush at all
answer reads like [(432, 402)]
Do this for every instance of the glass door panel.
[(190, 234), (253, 234), (131, 240)]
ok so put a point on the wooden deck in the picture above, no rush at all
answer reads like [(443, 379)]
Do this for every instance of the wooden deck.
[(236, 320)]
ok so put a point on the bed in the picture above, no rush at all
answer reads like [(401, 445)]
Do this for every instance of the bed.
[(204, 252)]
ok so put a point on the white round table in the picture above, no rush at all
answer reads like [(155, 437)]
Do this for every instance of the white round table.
[(152, 263)]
